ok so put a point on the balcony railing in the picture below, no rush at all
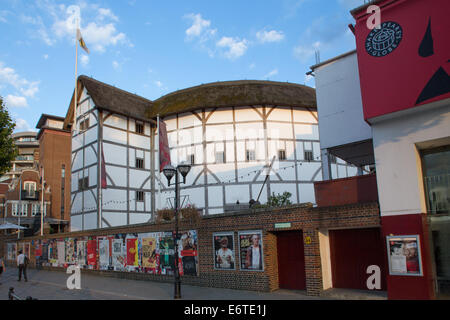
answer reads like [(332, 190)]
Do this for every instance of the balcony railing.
[(437, 189), (25, 158)]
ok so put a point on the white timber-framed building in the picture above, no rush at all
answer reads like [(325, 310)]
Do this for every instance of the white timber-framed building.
[(228, 131)]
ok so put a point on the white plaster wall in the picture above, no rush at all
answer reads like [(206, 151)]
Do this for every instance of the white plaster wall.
[(90, 221), (114, 219), (339, 103), (76, 224), (398, 163), (115, 154)]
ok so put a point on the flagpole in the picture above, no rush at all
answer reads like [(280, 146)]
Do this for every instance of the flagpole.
[(159, 167), (76, 80)]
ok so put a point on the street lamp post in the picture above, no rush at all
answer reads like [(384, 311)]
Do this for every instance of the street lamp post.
[(169, 172)]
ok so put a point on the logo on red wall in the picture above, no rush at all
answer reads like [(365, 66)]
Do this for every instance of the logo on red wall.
[(381, 42)]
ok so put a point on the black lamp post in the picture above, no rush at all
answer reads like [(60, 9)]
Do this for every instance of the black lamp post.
[(170, 171)]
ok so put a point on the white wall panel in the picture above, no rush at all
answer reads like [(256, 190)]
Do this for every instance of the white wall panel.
[(115, 154), (116, 121), (137, 218), (90, 202), (118, 175), (90, 157), (77, 160), (93, 176), (137, 177), (114, 199), (139, 141), (90, 221), (304, 116), (76, 224), (114, 219), (247, 114), (306, 193), (114, 135)]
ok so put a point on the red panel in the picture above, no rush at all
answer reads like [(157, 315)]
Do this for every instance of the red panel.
[(417, 70), (352, 251), (410, 287), (351, 190), (291, 260)]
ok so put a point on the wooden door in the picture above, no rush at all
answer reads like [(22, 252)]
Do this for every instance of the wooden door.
[(291, 260), (352, 251)]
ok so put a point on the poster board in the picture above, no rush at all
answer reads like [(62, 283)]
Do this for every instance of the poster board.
[(224, 252), (251, 252), (404, 255)]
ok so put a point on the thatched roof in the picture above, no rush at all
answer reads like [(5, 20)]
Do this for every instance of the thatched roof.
[(110, 98), (233, 93)]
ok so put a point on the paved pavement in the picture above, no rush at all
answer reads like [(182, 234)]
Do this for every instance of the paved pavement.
[(51, 285)]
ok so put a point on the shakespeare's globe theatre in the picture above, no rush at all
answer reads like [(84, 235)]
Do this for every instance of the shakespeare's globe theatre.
[(233, 132), (230, 132)]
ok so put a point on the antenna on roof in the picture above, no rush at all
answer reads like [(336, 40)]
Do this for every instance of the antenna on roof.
[(317, 53)]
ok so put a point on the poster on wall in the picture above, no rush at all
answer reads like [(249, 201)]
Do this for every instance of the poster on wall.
[(132, 252), (404, 255), (103, 253), (53, 253), (92, 253), (251, 256), (44, 254), (70, 251), (149, 252), (188, 253), (166, 253), (81, 256), (61, 249), (224, 255), (118, 253)]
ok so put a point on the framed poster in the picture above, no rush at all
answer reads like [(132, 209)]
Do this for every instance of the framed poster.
[(251, 255), (404, 255), (224, 253)]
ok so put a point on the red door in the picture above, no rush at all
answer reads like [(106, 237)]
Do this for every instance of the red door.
[(291, 260), (352, 251)]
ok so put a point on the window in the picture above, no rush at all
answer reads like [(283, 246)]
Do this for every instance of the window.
[(83, 183), (63, 171), (191, 158), (35, 209), (30, 189), (84, 125), (139, 163), (220, 156), (139, 127), (139, 195), (250, 155), (15, 209), (436, 171), (281, 154), (309, 156)]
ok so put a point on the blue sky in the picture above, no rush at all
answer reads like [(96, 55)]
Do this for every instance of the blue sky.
[(152, 48)]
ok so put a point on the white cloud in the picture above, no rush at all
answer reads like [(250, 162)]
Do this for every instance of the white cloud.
[(271, 74), (235, 47), (16, 101), (200, 28), (9, 76), (159, 84), (84, 60), (269, 36), (22, 125), (45, 56), (97, 25), (116, 65)]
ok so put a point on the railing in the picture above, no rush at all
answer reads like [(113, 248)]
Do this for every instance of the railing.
[(437, 189), (25, 158), (13, 296)]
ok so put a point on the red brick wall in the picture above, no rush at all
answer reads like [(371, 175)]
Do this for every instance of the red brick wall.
[(338, 192), (307, 219)]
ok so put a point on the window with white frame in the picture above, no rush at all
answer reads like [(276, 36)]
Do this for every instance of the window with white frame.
[(15, 209), (30, 189), (35, 209), (220, 152), (250, 153)]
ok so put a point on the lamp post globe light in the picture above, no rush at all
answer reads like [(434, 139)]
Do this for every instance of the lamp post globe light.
[(170, 171)]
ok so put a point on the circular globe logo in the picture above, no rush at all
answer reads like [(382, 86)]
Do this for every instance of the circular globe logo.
[(381, 42)]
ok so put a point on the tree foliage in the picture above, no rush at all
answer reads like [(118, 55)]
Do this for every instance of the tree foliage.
[(279, 200), (8, 150)]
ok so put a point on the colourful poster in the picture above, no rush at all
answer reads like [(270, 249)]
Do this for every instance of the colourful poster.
[(251, 251), (166, 252), (149, 253), (53, 253), (132, 252), (70, 251), (81, 253), (187, 252), (224, 255), (92, 253), (61, 249), (103, 253), (118, 254)]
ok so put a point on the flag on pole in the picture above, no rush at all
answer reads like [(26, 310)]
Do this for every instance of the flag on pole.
[(164, 151), (81, 41)]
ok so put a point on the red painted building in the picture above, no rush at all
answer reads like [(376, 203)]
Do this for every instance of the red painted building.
[(404, 71)]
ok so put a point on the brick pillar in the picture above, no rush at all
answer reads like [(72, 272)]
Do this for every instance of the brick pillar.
[(313, 266)]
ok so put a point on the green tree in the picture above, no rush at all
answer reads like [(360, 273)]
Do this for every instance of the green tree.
[(8, 150), (279, 200)]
